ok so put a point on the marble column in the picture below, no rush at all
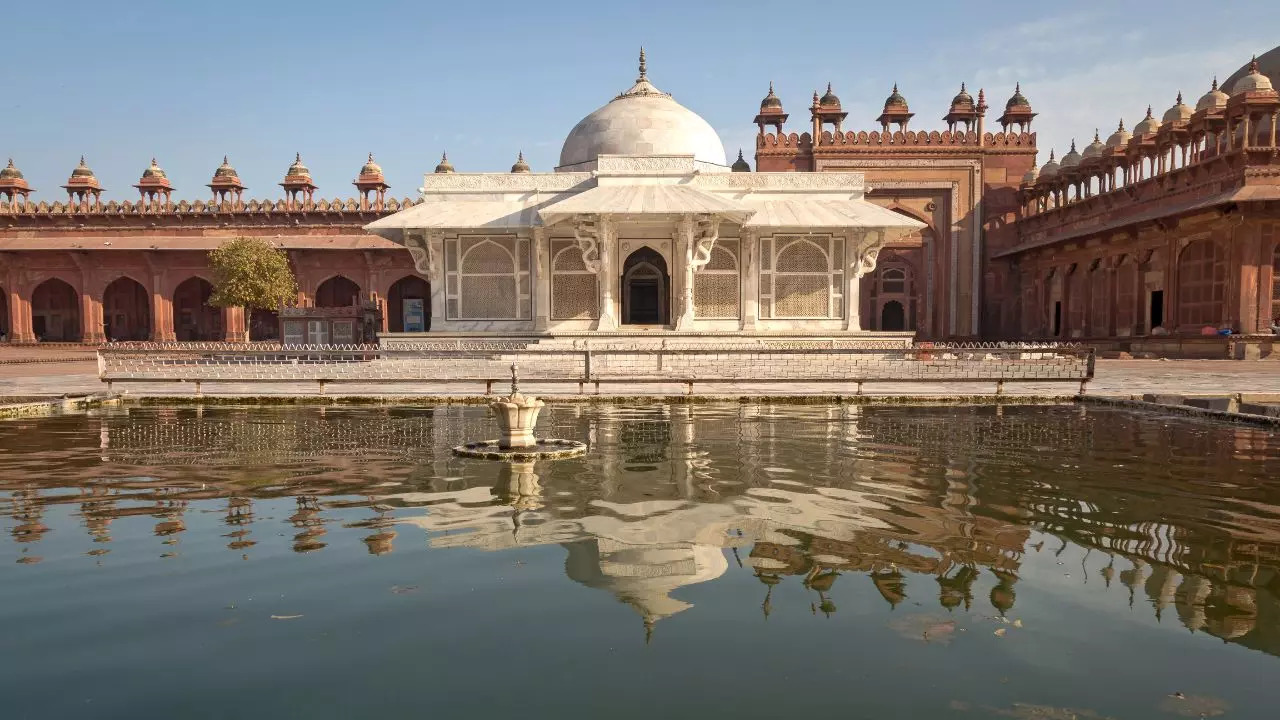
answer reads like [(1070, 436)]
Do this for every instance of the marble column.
[(749, 252), (433, 242), (541, 280), (607, 277), (684, 252)]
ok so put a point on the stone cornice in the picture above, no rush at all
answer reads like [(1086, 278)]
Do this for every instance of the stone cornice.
[(503, 182)]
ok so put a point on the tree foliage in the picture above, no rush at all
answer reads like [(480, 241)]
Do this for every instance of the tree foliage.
[(251, 273)]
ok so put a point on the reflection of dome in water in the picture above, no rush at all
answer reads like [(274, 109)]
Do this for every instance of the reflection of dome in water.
[(644, 576), (642, 121)]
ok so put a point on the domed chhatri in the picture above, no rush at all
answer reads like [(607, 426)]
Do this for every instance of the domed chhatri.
[(1214, 100), (297, 169), (1049, 169), (154, 184), (1148, 125), (895, 100), (895, 111), (371, 168), (829, 99), (1017, 111), (520, 165), (444, 166), (10, 172), (225, 170), (741, 164), (1017, 100), (1095, 149), (1260, 75), (771, 101), (297, 183), (963, 100), (1120, 137), (83, 185), (226, 183), (642, 121), (82, 170), (1031, 176), (1180, 112), (154, 172), (1071, 159)]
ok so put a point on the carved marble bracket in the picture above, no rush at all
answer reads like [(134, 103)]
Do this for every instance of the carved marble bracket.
[(422, 248), (866, 249), (586, 232), (705, 233)]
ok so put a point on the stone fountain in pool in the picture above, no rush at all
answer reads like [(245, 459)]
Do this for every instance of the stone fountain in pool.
[(517, 415)]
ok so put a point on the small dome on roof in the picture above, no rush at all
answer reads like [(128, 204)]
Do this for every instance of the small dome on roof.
[(10, 172), (1018, 99), (1031, 176), (895, 99), (829, 99), (1049, 169), (445, 166), (154, 171), (1147, 125), (225, 170), (771, 101), (82, 170), (1255, 81), (521, 166), (1215, 99), (1095, 148), (1180, 112), (1120, 137), (962, 99), (1072, 158), (370, 167), (741, 164), (297, 169)]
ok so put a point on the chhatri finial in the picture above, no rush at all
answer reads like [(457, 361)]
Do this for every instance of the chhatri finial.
[(1073, 144), (82, 161), (644, 67), (225, 161), (961, 86), (297, 157), (1253, 64), (1121, 128), (1149, 111), (770, 87), (1096, 137), (1051, 155), (1179, 100), (1215, 83), (370, 157), (1017, 87), (828, 86), (895, 87)]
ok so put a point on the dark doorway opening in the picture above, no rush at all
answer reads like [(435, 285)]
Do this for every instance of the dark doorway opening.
[(1057, 318), (1157, 308), (194, 320), (126, 310), (55, 312), (337, 291), (893, 317), (646, 289), (409, 305)]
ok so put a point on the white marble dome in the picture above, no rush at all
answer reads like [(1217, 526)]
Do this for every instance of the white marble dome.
[(642, 121)]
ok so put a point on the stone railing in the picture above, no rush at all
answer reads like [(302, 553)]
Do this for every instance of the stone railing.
[(489, 361)]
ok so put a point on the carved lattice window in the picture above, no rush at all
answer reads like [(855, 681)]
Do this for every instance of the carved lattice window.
[(1202, 284), (575, 294), (802, 277), (487, 278), (715, 286)]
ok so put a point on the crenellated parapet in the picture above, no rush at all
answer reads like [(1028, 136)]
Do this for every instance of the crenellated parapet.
[(184, 209), (898, 138)]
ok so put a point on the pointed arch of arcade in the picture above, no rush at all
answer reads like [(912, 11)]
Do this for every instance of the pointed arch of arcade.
[(55, 311), (921, 306), (1202, 284), (893, 292), (646, 289), (409, 305), (337, 291), (126, 310), (194, 320)]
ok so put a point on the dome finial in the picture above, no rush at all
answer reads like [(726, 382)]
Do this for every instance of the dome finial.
[(1096, 138), (1215, 83), (82, 161), (644, 66), (1179, 100), (1121, 127), (828, 86), (1017, 87), (1051, 154), (1149, 111), (771, 86), (1253, 64), (297, 157), (224, 160), (895, 86), (961, 86), (371, 157)]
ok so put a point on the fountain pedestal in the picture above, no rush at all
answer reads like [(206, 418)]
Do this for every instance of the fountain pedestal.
[(517, 415)]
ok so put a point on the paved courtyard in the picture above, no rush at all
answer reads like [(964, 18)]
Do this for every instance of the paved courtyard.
[(1119, 378)]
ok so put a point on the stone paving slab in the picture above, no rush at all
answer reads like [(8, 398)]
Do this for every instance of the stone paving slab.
[(1116, 378)]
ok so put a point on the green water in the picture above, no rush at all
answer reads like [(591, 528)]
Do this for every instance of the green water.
[(701, 561)]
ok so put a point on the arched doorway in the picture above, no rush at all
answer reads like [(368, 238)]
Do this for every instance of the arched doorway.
[(126, 310), (4, 316), (337, 291), (193, 319), (646, 289), (264, 324), (55, 312), (409, 305), (893, 317)]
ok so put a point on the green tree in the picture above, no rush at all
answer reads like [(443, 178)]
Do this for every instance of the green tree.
[(251, 273)]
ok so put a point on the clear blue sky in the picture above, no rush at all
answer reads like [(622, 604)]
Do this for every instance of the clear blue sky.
[(189, 81)]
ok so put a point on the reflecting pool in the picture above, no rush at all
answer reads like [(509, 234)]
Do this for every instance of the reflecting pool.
[(701, 561)]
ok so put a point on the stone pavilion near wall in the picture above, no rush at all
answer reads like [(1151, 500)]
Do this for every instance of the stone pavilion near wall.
[(644, 226)]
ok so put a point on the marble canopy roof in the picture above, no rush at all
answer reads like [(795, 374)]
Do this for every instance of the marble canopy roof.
[(642, 186)]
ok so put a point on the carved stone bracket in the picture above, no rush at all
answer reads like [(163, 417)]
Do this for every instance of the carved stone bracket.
[(866, 249), (586, 232), (705, 233), (422, 248)]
